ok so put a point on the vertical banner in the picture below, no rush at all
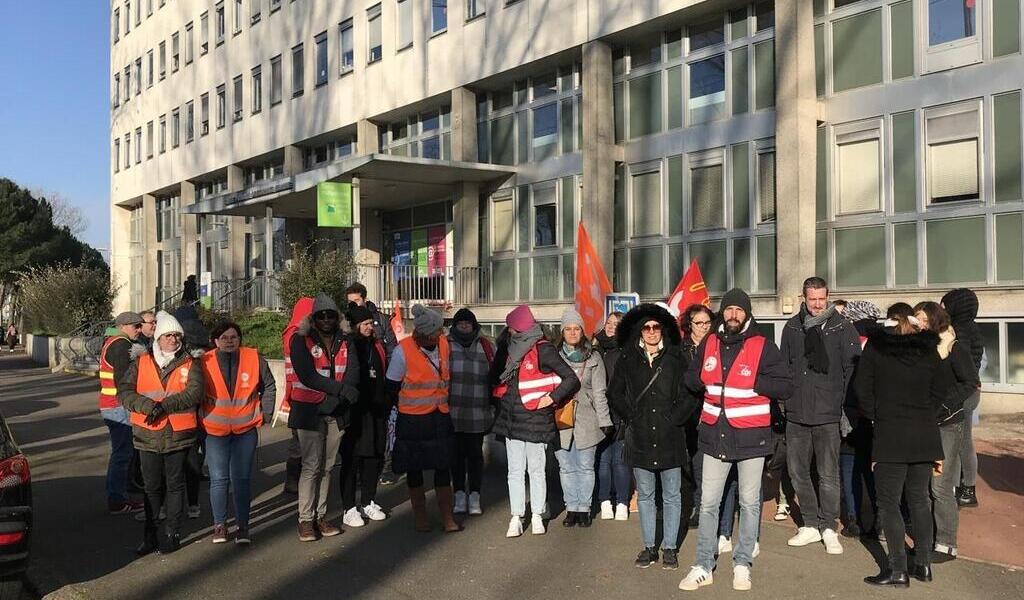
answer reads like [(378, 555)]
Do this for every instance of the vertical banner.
[(206, 289), (402, 253), (333, 204), (436, 249), (419, 249)]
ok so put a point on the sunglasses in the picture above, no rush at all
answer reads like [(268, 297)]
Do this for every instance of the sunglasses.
[(652, 327), (325, 316)]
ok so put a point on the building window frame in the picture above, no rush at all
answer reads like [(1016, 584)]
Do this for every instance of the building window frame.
[(346, 47), (857, 132), (257, 89), (932, 136)]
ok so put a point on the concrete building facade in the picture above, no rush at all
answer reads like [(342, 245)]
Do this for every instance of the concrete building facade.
[(876, 143)]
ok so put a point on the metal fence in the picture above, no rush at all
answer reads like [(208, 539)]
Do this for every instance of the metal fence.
[(437, 286)]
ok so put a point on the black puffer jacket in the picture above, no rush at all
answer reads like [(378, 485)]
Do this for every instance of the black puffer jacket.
[(818, 397), (538, 426), (653, 421), (773, 380), (608, 348)]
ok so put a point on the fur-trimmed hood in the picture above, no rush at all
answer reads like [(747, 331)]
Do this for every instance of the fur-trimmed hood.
[(903, 347), (628, 331)]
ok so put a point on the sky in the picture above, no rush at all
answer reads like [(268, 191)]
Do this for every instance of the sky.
[(55, 104)]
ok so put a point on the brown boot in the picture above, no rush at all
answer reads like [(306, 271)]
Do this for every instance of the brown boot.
[(445, 501), (418, 500), (325, 527), (307, 533)]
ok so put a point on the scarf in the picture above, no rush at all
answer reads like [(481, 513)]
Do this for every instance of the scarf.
[(519, 344), (605, 342), (164, 358), (572, 353), (465, 339), (814, 341)]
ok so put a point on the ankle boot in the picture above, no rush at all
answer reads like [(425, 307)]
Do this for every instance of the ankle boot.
[(445, 501), (149, 542), (894, 578), (418, 500), (923, 572), (966, 496)]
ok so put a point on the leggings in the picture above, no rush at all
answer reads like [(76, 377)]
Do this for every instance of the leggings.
[(469, 460), (442, 478)]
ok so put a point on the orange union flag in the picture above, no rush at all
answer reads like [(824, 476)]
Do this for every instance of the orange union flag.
[(591, 283), (690, 290)]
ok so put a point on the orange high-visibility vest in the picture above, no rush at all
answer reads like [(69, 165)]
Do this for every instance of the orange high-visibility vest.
[(150, 386), (424, 387), (744, 408), (224, 412), (322, 363), (108, 387)]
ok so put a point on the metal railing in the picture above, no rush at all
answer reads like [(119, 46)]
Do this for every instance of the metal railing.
[(439, 286)]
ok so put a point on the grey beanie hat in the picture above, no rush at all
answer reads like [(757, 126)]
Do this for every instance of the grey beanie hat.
[(858, 310), (425, 320), (571, 317)]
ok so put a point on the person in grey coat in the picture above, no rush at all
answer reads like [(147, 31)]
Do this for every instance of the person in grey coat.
[(592, 422)]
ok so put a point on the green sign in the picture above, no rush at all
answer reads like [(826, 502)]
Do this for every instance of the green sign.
[(419, 248), (333, 204)]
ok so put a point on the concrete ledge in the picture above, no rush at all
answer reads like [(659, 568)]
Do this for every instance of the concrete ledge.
[(42, 349), (277, 368)]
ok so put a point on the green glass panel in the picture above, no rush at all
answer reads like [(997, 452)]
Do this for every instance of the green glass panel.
[(645, 269), (902, 30), (905, 248), (741, 186), (568, 212), (741, 263), (645, 105), (1015, 353), (523, 218), (857, 51), (713, 264), (738, 28), (620, 117), (675, 195), (956, 250), (821, 253), (674, 44), (566, 118), (676, 264), (1009, 247), (904, 166), (619, 201), (764, 73), (503, 280), (819, 59), (990, 336), (524, 278), (740, 77), (503, 142), (1005, 27), (547, 275), (568, 276), (860, 257), (619, 270), (1007, 146), (523, 130), (674, 81), (766, 263), (821, 175), (819, 7)]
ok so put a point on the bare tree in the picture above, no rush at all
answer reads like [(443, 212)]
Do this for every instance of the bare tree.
[(65, 214)]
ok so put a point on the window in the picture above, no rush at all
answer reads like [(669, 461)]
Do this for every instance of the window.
[(646, 201), (545, 132), (175, 52), (149, 75), (163, 134), (237, 98), (766, 186), (373, 34), (190, 127), (346, 46), (117, 154), (404, 24), (257, 90), (138, 14), (127, 84), (127, 150), (256, 7), (219, 22), (204, 114), (175, 128), (238, 17), (950, 20), (297, 71), (149, 140), (117, 35), (474, 8), (275, 80), (645, 105), (222, 106), (117, 89), (707, 199), (952, 154), (544, 85), (545, 216), (765, 14), (149, 8), (707, 34), (707, 89), (321, 58), (858, 171), (438, 16), (163, 60), (274, 5), (138, 76), (504, 221), (188, 44), (127, 17), (138, 145), (204, 33)]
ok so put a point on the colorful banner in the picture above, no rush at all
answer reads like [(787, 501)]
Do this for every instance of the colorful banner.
[(591, 283), (436, 252), (691, 290), (419, 249), (333, 204), (402, 252)]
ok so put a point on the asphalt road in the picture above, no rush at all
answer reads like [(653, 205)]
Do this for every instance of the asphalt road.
[(79, 551)]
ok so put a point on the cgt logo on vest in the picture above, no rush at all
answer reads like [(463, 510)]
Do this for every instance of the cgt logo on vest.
[(710, 363), (316, 351), (183, 373), (745, 370), (245, 380)]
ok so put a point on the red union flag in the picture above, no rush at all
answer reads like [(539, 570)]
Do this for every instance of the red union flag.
[(591, 283), (691, 290), (397, 325)]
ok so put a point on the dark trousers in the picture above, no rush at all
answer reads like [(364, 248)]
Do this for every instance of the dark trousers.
[(194, 474), (856, 473), (164, 473), (364, 468), (120, 460), (442, 478), (818, 443), (469, 460), (891, 481)]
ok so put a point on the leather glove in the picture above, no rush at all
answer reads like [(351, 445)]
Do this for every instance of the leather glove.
[(158, 412), (608, 431), (328, 405)]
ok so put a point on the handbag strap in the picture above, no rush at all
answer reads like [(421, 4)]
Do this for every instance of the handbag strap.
[(650, 383)]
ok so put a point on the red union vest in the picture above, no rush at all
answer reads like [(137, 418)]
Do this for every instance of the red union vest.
[(323, 366), (744, 408), (534, 384), (150, 386), (108, 387), (226, 413)]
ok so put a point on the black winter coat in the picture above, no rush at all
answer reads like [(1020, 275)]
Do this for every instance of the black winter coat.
[(959, 377), (773, 380), (653, 421), (538, 426), (610, 352), (900, 387), (368, 418), (340, 394), (818, 398)]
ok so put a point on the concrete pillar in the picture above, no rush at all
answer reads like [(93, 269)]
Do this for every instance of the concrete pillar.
[(598, 149), (367, 137), (795, 138), (237, 228), (466, 213), (292, 160), (150, 264), (189, 233), (463, 125), (120, 256)]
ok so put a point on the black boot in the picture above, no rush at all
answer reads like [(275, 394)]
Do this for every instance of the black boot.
[(570, 519), (584, 519), (923, 572), (966, 496), (292, 469), (149, 542), (898, 579), (169, 543)]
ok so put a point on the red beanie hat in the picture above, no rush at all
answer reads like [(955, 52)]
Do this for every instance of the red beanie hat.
[(520, 319)]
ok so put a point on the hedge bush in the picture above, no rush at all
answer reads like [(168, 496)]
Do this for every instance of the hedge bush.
[(59, 299)]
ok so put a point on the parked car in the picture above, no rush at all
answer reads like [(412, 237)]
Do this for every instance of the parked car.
[(15, 514)]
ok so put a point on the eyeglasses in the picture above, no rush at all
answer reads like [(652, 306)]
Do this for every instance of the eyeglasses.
[(137, 325), (148, 323), (701, 323), (652, 327), (325, 316)]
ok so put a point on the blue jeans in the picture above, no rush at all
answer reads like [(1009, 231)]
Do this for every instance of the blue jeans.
[(856, 474), (230, 458), (672, 505), (612, 472), (526, 457), (576, 472), (714, 475), (120, 458), (727, 510)]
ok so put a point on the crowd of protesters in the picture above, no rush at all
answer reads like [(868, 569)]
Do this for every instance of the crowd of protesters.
[(860, 418)]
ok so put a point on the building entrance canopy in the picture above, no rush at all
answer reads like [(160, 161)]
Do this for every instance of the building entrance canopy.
[(386, 182)]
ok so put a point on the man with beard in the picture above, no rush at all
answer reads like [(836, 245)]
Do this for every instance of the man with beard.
[(739, 373)]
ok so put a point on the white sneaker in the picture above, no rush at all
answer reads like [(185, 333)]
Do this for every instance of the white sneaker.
[(460, 503), (757, 550), (831, 539), (782, 512), (621, 512), (515, 527), (607, 512), (741, 577), (724, 544), (697, 577), (804, 536), (352, 518), (474, 504), (537, 525), (374, 512)]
